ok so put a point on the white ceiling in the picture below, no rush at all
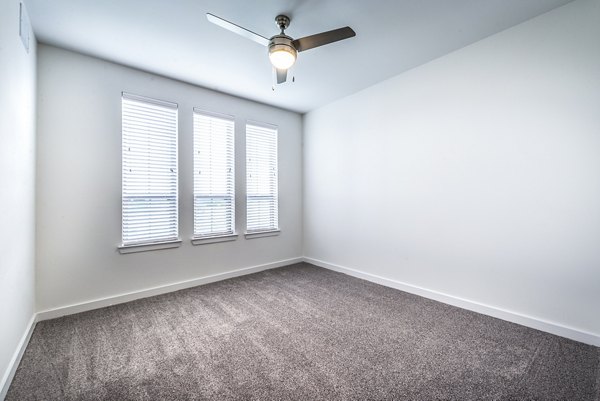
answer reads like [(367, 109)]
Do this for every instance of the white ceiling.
[(174, 38)]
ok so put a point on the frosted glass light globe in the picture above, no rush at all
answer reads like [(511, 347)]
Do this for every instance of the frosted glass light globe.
[(282, 58)]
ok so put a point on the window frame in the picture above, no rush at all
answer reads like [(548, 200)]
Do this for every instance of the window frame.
[(272, 231), (216, 236), (126, 247)]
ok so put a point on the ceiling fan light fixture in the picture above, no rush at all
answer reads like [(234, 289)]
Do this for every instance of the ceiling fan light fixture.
[(284, 50), (281, 52)]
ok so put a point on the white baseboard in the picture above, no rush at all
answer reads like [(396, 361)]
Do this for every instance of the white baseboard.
[(16, 359), (536, 323), (163, 289), (514, 317)]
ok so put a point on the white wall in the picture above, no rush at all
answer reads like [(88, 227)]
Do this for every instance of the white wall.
[(79, 183), (476, 175), (17, 184)]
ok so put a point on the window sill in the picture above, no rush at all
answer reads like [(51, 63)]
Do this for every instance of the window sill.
[(261, 234), (212, 240), (124, 249)]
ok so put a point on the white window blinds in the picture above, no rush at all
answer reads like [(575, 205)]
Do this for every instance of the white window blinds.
[(261, 178), (149, 186), (214, 182)]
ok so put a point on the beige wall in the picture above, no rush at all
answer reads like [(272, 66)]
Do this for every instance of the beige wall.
[(476, 175), (79, 183), (17, 184)]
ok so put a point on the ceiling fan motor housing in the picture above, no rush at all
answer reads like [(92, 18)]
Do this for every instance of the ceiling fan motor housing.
[(282, 43)]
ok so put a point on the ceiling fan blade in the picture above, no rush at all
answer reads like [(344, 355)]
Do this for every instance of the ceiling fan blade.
[(237, 29), (281, 75), (323, 38)]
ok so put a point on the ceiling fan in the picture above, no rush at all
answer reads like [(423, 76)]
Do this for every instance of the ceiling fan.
[(283, 50)]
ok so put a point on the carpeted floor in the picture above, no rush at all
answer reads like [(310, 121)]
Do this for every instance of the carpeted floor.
[(298, 333)]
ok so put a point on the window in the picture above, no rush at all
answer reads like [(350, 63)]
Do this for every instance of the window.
[(149, 187), (214, 182), (261, 179)]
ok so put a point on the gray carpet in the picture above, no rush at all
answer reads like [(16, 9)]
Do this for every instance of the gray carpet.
[(298, 333)]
